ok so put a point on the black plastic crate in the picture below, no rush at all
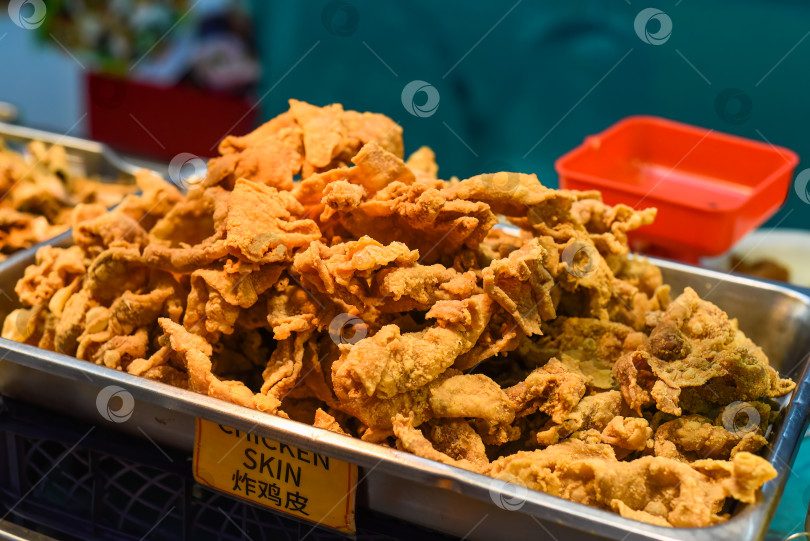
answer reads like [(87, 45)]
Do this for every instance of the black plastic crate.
[(73, 480)]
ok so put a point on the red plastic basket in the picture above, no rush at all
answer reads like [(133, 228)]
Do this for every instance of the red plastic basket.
[(710, 188)]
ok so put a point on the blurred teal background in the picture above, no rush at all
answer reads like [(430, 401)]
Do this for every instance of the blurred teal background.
[(520, 83)]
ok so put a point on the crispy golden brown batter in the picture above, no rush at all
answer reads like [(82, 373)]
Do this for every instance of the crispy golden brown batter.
[(588, 346), (422, 216), (521, 284), (693, 437), (653, 489), (696, 350), (328, 422), (54, 269), (413, 440), (392, 362), (553, 389), (592, 412)]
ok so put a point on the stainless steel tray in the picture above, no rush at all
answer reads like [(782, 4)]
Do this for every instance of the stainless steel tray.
[(435, 495)]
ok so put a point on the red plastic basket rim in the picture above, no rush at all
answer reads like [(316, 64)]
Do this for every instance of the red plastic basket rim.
[(791, 160)]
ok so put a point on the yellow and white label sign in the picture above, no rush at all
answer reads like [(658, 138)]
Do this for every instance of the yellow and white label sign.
[(284, 478)]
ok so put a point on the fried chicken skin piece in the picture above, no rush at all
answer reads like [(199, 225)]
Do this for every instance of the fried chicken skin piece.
[(630, 433), (521, 285), (501, 336), (515, 195), (457, 439), (345, 269), (292, 308), (19, 230), (694, 437), (369, 275), (375, 168), (499, 244), (423, 217), (477, 397), (117, 335), (413, 440), (328, 422), (332, 136), (651, 489), (472, 396), (217, 294), (155, 200), (378, 413), (306, 140), (54, 268), (696, 349), (262, 219), (24, 325), (194, 353), (423, 163), (94, 234), (608, 225), (392, 362), (419, 287), (591, 412), (635, 379), (553, 389), (586, 345), (272, 154), (283, 370)]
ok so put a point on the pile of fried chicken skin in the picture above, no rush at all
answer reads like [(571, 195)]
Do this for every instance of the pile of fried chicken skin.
[(316, 274)]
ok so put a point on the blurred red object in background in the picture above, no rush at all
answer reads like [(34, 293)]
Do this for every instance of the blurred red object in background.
[(710, 188), (162, 121)]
